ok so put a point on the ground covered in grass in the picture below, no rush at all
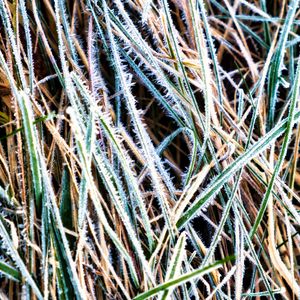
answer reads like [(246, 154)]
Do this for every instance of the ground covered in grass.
[(149, 149)]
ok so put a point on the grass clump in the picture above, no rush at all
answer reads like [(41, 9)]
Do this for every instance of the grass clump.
[(149, 149)]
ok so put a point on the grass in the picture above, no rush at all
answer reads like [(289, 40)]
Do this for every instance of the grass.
[(149, 149)]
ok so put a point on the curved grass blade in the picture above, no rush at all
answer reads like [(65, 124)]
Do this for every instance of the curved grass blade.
[(183, 278)]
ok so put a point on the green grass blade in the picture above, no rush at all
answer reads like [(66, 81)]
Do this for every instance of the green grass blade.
[(242, 160), (182, 279)]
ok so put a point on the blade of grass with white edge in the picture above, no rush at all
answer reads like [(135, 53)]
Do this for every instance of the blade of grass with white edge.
[(130, 34), (68, 84), (193, 290), (165, 103), (183, 279), (281, 197), (33, 145), (66, 27), (218, 182), (175, 264), (277, 64), (156, 93), (222, 283), (201, 45), (28, 44), (13, 253), (52, 203), (232, 197), (114, 196), (8, 199), (113, 136), (40, 165), (207, 72), (45, 221), (16, 52), (99, 30), (106, 258), (253, 252), (107, 177), (46, 43), (291, 120), (267, 33), (45, 241), (153, 161), (212, 53), (263, 294), (217, 236), (146, 9), (207, 92), (9, 271), (30, 132), (275, 257), (90, 186), (86, 159), (240, 258)]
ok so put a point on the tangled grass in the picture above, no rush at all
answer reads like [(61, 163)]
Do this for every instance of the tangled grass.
[(149, 149)]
